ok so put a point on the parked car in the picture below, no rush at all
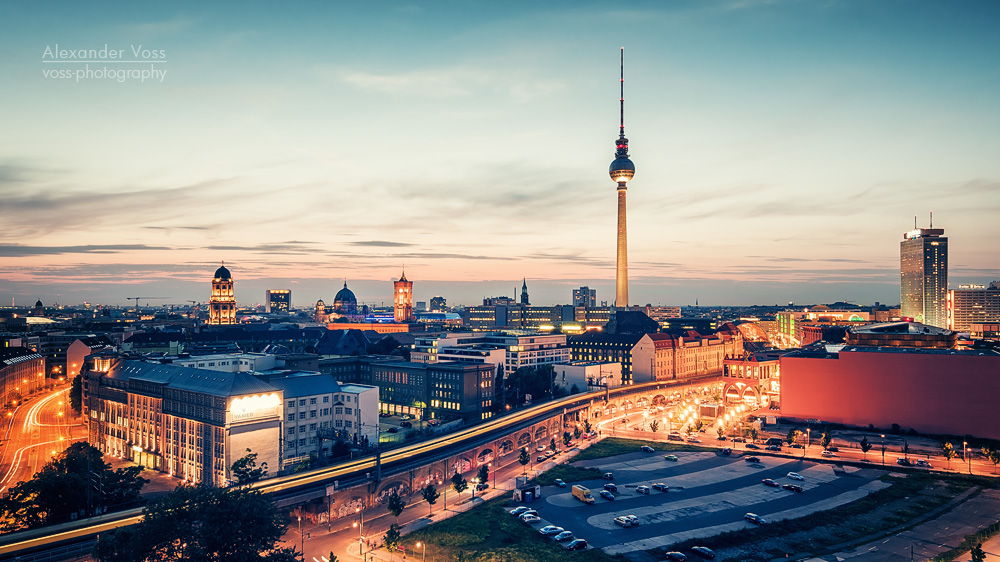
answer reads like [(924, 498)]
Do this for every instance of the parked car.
[(529, 512), (393, 430), (564, 536), (632, 519), (771, 483), (541, 448), (661, 487), (833, 448), (519, 510), (903, 462), (795, 476), (672, 458), (623, 521), (675, 437), (797, 446), (559, 482), (735, 440), (405, 417), (482, 486), (792, 487), (829, 454), (406, 424), (642, 490), (755, 519), (752, 446), (924, 464), (704, 551), (577, 544), (550, 530), (752, 459), (678, 556), (540, 458), (608, 476), (607, 495), (773, 447), (646, 449), (611, 487), (727, 451), (693, 439), (434, 422), (530, 519)]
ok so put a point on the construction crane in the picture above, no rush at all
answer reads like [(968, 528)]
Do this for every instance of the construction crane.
[(136, 299)]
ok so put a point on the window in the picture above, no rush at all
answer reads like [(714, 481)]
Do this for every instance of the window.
[(302, 429), (312, 427), (312, 401), (302, 415), (312, 413), (291, 403), (325, 412), (291, 417), (347, 424), (338, 423), (291, 431), (347, 411), (302, 442), (338, 410), (326, 399), (302, 402)]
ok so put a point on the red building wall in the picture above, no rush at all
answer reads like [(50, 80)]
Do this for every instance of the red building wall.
[(930, 392)]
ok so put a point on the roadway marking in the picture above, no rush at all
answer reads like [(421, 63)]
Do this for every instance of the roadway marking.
[(20, 454)]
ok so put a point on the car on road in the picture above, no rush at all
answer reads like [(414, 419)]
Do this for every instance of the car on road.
[(792, 487), (632, 519), (924, 464), (797, 446), (795, 476), (755, 519), (393, 430), (833, 448), (752, 446), (703, 551), (735, 440), (540, 448), (519, 510), (405, 417), (482, 486), (608, 476), (903, 462), (564, 536), (540, 458), (642, 490), (752, 459), (727, 451), (693, 439), (433, 422), (529, 518), (559, 482), (646, 449), (607, 495), (672, 458), (577, 544), (771, 483), (678, 556), (773, 447), (829, 454), (550, 530), (661, 487), (623, 521), (611, 487), (675, 437), (406, 424), (529, 512)]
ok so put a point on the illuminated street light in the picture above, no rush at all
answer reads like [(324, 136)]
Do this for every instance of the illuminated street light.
[(883, 449), (423, 550)]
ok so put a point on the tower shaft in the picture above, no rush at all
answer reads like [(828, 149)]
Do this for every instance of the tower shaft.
[(621, 276)]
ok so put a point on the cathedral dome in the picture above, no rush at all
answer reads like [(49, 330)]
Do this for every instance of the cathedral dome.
[(223, 273), (38, 303), (345, 302)]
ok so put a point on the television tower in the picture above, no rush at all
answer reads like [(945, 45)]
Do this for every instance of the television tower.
[(622, 170)]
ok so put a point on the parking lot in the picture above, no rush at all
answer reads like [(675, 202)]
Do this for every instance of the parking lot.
[(708, 494)]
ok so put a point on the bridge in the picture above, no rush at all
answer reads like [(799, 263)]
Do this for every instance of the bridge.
[(366, 482)]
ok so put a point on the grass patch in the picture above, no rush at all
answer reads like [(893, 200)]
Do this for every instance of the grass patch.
[(617, 446), (487, 533), (968, 543), (567, 473)]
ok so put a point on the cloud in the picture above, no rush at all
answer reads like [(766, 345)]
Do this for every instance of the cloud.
[(20, 250), (380, 243), (455, 81)]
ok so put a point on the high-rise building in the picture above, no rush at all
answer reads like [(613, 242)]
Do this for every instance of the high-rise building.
[(222, 304), (973, 304), (923, 276), (585, 296), (439, 304), (277, 301), (622, 169), (402, 299)]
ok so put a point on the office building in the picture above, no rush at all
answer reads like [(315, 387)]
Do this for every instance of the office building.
[(277, 301), (435, 390), (22, 372), (222, 304), (973, 304), (585, 296), (923, 276)]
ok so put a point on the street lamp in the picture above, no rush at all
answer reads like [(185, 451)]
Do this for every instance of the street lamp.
[(965, 454), (423, 551), (302, 539), (808, 440), (883, 449)]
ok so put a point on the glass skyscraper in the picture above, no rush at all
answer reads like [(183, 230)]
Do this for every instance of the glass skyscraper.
[(923, 276)]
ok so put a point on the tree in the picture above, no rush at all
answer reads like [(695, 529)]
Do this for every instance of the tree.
[(977, 553), (586, 426), (865, 445), (566, 438), (483, 474), (906, 448), (552, 444), (395, 504), (391, 538), (76, 394), (458, 483), (577, 433), (719, 431), (524, 458), (826, 439), (654, 425), (201, 523), (793, 436), (431, 496), (993, 455), (245, 469), (948, 450), (332, 557), (574, 389), (752, 434)]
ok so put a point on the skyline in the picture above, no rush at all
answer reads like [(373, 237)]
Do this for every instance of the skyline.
[(784, 148)]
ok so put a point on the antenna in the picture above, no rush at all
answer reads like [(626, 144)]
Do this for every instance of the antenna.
[(932, 219), (622, 97), (914, 222)]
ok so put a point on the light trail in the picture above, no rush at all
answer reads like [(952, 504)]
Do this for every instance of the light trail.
[(16, 461)]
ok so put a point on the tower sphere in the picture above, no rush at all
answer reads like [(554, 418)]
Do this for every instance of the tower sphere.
[(622, 170)]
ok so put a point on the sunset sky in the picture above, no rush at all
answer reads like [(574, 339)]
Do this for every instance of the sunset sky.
[(781, 148)]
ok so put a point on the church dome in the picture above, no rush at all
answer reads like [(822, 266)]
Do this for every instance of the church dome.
[(223, 273), (345, 302), (38, 303)]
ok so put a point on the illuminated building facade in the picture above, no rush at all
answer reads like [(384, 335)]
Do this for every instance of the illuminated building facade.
[(22, 372), (585, 296), (222, 304), (190, 423), (435, 390), (277, 301), (902, 334), (923, 276), (973, 304), (402, 299), (658, 357)]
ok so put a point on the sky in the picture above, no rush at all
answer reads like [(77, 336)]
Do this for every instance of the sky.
[(781, 147)]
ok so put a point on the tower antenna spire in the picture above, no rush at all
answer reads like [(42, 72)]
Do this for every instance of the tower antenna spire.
[(622, 96), (932, 219)]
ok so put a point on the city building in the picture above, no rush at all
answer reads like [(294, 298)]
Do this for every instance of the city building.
[(222, 304), (987, 331), (973, 304), (664, 356), (586, 374), (277, 301), (902, 334), (22, 372), (524, 292), (510, 351), (753, 378), (318, 410), (932, 391), (192, 424), (439, 304), (78, 351), (602, 347), (585, 296), (228, 362), (403, 299), (435, 390), (622, 169), (345, 303), (923, 276)]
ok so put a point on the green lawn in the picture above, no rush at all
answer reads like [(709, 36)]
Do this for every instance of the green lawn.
[(487, 533), (568, 474), (617, 446)]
